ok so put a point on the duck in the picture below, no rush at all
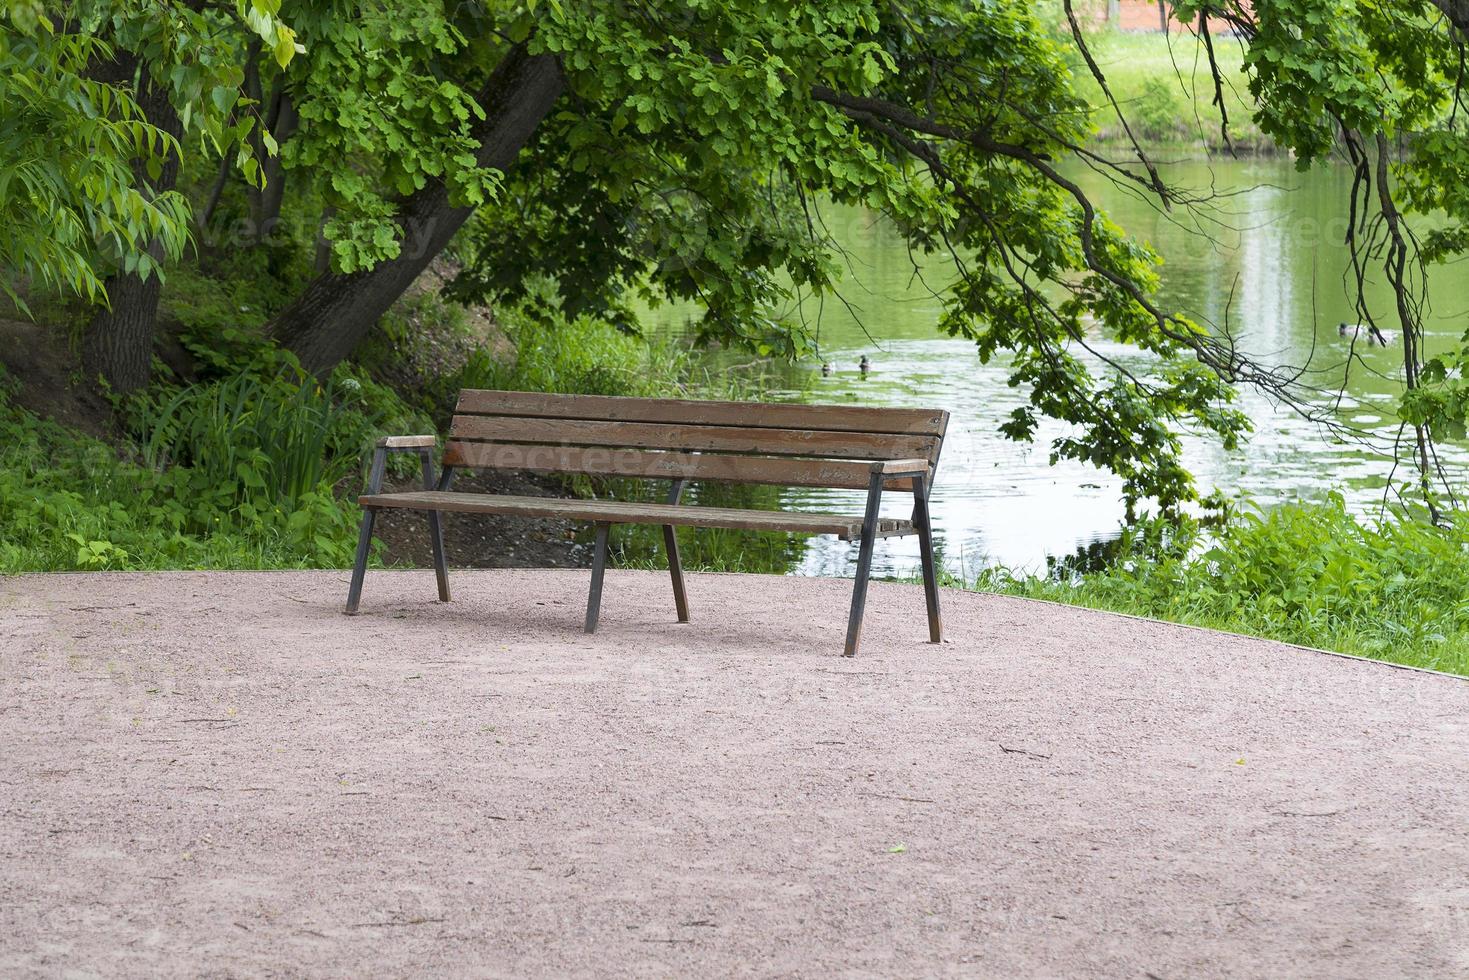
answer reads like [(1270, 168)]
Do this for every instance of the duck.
[(1373, 336), (826, 369), (864, 365)]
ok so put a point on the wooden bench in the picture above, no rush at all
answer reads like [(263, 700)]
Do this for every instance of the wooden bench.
[(830, 446)]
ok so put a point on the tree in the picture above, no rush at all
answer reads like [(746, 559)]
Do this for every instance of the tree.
[(326, 322), (97, 100), (682, 144), (118, 342), (67, 142), (682, 149)]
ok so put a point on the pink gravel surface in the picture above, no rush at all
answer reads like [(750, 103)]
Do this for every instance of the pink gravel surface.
[(219, 774)]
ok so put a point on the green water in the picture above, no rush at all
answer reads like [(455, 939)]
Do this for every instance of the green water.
[(1272, 269)]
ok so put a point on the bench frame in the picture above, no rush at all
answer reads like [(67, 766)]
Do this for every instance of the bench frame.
[(917, 471)]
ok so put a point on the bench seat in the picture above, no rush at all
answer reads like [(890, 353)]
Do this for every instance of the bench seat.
[(624, 512), (833, 447)]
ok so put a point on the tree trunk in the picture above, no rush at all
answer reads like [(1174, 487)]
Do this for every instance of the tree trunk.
[(118, 343), (1163, 16), (332, 315), (266, 201), (280, 120), (204, 217)]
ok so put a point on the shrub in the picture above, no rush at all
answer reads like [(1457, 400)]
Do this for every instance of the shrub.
[(212, 498), (1395, 589), (579, 356)]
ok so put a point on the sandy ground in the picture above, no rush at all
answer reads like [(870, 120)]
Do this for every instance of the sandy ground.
[(219, 774)]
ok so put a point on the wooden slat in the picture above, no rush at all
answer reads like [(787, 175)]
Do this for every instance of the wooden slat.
[(902, 466), (407, 442), (837, 418), (622, 512), (653, 435), (781, 471)]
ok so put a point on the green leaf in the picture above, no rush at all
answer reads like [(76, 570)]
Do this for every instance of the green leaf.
[(249, 476)]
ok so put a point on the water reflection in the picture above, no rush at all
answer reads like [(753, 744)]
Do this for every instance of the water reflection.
[(1272, 270)]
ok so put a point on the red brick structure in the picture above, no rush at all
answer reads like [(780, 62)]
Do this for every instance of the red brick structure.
[(1139, 16)]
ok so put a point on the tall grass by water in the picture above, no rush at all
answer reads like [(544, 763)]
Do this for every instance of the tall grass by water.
[(588, 356), (1394, 589)]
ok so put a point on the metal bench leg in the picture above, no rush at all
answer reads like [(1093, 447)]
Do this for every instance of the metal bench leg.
[(864, 565), (675, 567), (925, 547), (436, 529), (364, 537), (599, 565), (441, 565), (359, 568)]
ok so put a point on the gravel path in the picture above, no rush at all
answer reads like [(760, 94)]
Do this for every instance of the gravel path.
[(218, 773)]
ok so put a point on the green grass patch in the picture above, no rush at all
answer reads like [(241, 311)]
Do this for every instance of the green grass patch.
[(587, 356), (1312, 574), (1165, 89)]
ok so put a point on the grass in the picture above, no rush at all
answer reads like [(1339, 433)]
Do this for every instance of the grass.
[(1310, 574), (276, 438), (1164, 87), (587, 356)]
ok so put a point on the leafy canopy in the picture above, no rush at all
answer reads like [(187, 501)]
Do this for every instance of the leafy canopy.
[(76, 151), (699, 140)]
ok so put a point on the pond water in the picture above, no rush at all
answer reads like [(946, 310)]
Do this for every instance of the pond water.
[(1274, 265)]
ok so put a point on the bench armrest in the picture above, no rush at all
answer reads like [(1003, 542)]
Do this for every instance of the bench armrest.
[(423, 445), (392, 443), (901, 467)]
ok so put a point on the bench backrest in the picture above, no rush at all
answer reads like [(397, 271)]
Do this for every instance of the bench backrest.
[(742, 442)]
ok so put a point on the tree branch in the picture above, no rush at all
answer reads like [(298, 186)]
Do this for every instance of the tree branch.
[(1457, 11)]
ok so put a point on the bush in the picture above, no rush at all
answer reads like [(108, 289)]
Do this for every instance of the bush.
[(580, 356), (1158, 111), (205, 495)]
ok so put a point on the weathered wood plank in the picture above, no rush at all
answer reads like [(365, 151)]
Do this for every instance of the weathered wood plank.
[(407, 442), (901, 466), (781, 471), (656, 435), (623, 512), (838, 418)]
